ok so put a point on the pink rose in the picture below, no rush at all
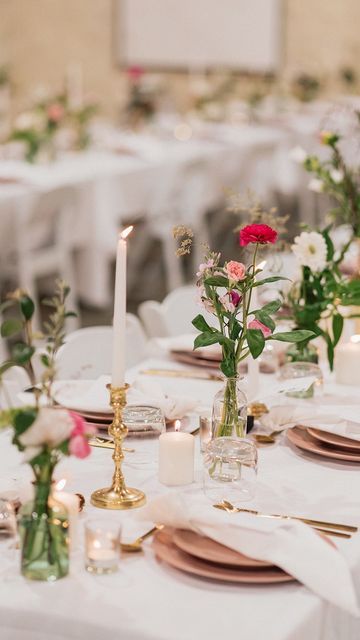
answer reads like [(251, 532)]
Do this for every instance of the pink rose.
[(236, 270), (55, 112), (256, 324), (135, 73), (79, 447)]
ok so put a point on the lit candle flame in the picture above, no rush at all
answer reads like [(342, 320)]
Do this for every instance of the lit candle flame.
[(124, 234), (177, 425), (60, 485), (262, 265), (355, 339)]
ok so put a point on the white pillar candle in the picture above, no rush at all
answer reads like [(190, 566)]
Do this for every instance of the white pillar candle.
[(176, 458), (119, 322), (71, 503), (347, 362)]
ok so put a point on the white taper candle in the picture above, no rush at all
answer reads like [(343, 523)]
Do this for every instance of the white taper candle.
[(119, 321)]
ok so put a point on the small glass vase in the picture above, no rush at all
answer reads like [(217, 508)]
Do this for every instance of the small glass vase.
[(229, 413), (44, 536)]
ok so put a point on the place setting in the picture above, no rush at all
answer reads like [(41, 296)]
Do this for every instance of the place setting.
[(179, 320)]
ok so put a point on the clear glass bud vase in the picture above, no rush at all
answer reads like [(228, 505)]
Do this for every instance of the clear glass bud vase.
[(44, 536), (229, 414)]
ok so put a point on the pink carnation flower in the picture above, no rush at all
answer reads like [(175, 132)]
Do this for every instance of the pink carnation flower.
[(235, 270), (256, 324)]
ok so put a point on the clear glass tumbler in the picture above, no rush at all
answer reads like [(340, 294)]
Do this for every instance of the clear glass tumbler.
[(230, 470)]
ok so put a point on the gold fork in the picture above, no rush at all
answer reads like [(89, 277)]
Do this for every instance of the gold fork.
[(225, 505)]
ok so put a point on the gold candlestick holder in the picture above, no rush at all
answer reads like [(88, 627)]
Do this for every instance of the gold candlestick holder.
[(118, 496)]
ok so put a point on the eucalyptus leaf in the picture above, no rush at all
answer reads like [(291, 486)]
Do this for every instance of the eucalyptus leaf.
[(27, 307), (259, 283), (265, 319), (11, 327), (22, 353), (23, 420)]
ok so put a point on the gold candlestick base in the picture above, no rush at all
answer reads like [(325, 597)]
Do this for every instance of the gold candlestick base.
[(118, 496)]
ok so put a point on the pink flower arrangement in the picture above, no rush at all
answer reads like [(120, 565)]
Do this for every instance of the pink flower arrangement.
[(135, 73), (55, 112), (236, 271), (256, 324), (257, 234)]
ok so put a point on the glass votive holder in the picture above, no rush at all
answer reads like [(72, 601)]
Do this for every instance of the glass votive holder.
[(205, 431), (144, 418), (296, 371), (102, 546), (230, 470)]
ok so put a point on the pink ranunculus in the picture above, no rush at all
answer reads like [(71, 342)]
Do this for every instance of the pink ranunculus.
[(256, 324), (79, 447), (235, 270), (235, 298), (55, 112)]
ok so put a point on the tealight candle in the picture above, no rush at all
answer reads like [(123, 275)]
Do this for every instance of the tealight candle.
[(176, 457), (102, 545), (347, 362)]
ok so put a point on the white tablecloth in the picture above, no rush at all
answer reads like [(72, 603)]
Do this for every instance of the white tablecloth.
[(147, 600), (111, 187)]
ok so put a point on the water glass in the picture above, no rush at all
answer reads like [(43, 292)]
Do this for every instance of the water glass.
[(230, 470), (144, 418), (205, 431), (102, 546)]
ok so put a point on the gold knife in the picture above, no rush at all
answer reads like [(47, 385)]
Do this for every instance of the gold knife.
[(173, 373)]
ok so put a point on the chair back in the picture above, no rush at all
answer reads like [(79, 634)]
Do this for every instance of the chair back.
[(87, 353)]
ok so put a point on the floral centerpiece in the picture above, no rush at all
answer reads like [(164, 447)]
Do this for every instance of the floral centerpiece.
[(37, 127), (44, 433), (316, 300), (226, 291)]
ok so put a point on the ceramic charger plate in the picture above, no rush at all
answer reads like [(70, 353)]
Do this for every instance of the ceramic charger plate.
[(333, 439), (301, 438), (167, 550)]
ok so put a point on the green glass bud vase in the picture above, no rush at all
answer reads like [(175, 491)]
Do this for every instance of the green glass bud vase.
[(44, 536)]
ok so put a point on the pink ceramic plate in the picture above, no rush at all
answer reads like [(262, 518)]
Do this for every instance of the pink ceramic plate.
[(302, 439), (334, 440), (167, 551), (207, 549), (188, 358)]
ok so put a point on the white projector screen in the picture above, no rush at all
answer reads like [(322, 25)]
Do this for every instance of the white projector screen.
[(199, 34)]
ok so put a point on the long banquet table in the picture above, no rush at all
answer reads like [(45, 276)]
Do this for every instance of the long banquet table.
[(147, 600), (113, 185)]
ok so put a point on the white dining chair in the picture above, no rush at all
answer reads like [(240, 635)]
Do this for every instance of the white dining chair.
[(87, 353), (173, 316), (42, 245)]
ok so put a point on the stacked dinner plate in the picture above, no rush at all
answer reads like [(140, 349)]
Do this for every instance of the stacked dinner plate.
[(201, 556), (211, 359), (324, 443)]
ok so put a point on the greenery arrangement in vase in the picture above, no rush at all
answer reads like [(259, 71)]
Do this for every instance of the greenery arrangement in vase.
[(43, 433), (226, 291)]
